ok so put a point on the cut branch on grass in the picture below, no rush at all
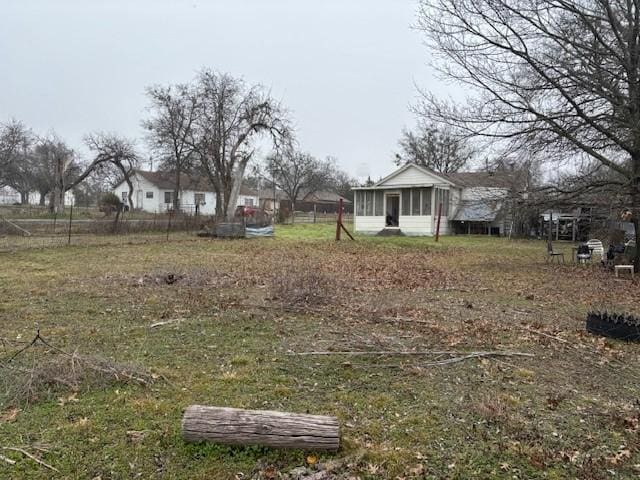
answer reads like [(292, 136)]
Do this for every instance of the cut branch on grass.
[(28, 455), (46, 374), (495, 353)]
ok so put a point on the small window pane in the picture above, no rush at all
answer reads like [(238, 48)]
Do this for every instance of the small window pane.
[(445, 203), (149, 194), (415, 201), (426, 201), (368, 206), (167, 197), (359, 199), (406, 201), (378, 207)]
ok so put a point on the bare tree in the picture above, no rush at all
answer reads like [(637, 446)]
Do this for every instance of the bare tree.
[(111, 154), (298, 174), (52, 167), (170, 130), (562, 75), (434, 146), (16, 141), (231, 117), (342, 183)]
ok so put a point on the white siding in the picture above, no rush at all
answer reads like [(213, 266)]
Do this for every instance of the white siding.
[(412, 176), (9, 196), (370, 225), (484, 193), (416, 224), (156, 204)]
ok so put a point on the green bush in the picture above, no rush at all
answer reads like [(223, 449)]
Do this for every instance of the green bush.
[(109, 203)]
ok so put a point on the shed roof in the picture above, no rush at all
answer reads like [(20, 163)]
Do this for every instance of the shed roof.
[(477, 211)]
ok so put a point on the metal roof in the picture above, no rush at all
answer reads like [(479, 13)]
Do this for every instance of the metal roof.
[(477, 211)]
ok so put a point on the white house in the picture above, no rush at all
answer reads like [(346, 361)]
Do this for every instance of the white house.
[(409, 200), (8, 196), (153, 192)]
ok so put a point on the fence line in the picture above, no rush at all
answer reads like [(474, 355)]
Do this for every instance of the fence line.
[(20, 234)]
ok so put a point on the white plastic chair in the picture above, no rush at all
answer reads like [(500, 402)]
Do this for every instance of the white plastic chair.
[(596, 247)]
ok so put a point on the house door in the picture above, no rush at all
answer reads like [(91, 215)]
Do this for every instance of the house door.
[(393, 210), (139, 199)]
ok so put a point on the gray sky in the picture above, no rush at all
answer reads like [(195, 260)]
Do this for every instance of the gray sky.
[(345, 68)]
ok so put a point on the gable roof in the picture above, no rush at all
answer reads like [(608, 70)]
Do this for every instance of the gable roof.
[(420, 168), (167, 181)]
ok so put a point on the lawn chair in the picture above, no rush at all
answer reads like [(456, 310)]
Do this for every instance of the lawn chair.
[(596, 247), (583, 254), (552, 254)]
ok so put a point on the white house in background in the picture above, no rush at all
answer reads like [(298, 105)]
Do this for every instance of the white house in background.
[(69, 198), (153, 192), (8, 196), (409, 199)]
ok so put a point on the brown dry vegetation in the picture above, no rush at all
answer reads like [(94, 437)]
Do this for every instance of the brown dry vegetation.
[(229, 317)]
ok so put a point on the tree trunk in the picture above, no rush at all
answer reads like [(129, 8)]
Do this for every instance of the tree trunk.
[(43, 198), (293, 212), (24, 197), (56, 200), (635, 212), (234, 426), (127, 179), (218, 204), (176, 192), (231, 201)]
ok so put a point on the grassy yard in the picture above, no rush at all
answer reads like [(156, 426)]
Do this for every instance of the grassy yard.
[(229, 323)]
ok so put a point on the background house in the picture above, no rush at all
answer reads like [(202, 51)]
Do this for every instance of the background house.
[(8, 196), (153, 192), (409, 200)]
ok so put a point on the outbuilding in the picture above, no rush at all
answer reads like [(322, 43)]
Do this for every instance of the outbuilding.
[(412, 199)]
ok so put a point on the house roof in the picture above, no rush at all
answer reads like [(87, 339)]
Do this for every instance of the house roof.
[(324, 196), (474, 211), (425, 170), (167, 180), (482, 179), (460, 179)]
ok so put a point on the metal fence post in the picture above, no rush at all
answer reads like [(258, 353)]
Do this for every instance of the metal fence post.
[(168, 225), (70, 220)]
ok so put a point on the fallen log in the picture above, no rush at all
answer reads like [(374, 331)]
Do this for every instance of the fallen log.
[(234, 426)]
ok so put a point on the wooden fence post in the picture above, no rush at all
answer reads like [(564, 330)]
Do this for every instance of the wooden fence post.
[(438, 225)]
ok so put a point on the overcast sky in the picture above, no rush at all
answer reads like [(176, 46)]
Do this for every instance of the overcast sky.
[(346, 69)]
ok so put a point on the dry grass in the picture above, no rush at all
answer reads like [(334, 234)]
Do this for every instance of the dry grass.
[(234, 311), (301, 285), (39, 374)]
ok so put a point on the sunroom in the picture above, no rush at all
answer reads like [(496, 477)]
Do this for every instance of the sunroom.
[(408, 200)]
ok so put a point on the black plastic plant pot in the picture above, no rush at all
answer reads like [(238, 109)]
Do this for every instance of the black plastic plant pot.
[(614, 325)]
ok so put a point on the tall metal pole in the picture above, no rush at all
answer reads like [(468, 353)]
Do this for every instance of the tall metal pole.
[(70, 220)]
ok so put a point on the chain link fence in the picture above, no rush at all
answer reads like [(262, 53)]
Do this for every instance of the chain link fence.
[(26, 233)]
